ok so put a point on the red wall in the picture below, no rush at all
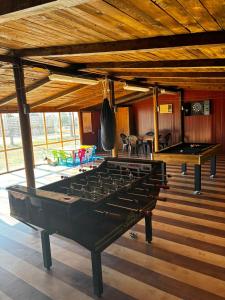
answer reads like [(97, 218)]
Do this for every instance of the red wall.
[(197, 128), (143, 114)]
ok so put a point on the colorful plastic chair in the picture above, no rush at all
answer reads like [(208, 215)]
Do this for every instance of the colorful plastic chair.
[(81, 154)]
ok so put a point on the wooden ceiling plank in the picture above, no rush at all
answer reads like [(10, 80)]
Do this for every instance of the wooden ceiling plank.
[(68, 103), (111, 25), (56, 96), (187, 41), (14, 10), (217, 10), (179, 13), (84, 25), (62, 24), (126, 20), (150, 14), (30, 88), (200, 14)]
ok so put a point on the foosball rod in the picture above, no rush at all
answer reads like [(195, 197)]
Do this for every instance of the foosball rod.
[(135, 210), (106, 213)]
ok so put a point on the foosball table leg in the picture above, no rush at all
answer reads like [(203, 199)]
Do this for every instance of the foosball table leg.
[(148, 227), (46, 249), (97, 273)]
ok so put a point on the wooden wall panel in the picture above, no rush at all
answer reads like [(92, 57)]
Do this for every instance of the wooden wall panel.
[(197, 128), (206, 128), (123, 123), (143, 115)]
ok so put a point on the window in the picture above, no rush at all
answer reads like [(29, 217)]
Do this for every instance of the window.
[(53, 127), (11, 125), (37, 128), (3, 167), (49, 131), (15, 159), (68, 130), (40, 152), (76, 125), (1, 136)]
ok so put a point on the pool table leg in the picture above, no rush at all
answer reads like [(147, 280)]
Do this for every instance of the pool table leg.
[(213, 167), (148, 227), (184, 169), (197, 179)]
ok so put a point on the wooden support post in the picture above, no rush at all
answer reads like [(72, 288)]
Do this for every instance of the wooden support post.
[(80, 119), (112, 102), (181, 100), (24, 122), (156, 122)]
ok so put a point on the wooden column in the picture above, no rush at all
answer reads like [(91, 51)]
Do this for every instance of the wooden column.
[(80, 126), (156, 122), (112, 102), (24, 122), (181, 99)]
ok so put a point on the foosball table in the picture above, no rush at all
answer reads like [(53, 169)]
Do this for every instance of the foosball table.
[(93, 208)]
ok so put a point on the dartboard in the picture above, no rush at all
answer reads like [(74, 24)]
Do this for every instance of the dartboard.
[(196, 108)]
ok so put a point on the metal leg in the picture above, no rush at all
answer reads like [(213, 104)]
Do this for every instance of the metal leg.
[(213, 167), (148, 227), (97, 273), (184, 169), (46, 249), (197, 179)]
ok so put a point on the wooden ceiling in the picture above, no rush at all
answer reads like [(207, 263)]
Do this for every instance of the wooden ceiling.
[(174, 43)]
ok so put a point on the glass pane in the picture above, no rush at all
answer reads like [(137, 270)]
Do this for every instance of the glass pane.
[(11, 125), (37, 128), (39, 154), (15, 159), (67, 125), (2, 163), (77, 142), (1, 137), (53, 128), (69, 145), (76, 125)]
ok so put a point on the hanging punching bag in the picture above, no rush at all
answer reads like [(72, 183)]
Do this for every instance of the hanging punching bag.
[(108, 126)]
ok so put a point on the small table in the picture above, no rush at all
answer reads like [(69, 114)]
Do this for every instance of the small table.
[(149, 139)]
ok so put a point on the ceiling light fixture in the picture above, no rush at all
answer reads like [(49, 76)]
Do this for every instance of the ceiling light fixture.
[(132, 87), (72, 79)]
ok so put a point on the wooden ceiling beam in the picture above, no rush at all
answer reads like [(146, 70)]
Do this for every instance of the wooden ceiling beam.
[(30, 88), (56, 96), (172, 74), (12, 10), (172, 64), (160, 42)]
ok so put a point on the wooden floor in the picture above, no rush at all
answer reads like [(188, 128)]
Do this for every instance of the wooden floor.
[(186, 259)]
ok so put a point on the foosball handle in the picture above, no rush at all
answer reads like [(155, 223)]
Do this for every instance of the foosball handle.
[(169, 176)]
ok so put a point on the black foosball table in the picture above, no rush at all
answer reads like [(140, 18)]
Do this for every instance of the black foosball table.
[(93, 208)]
